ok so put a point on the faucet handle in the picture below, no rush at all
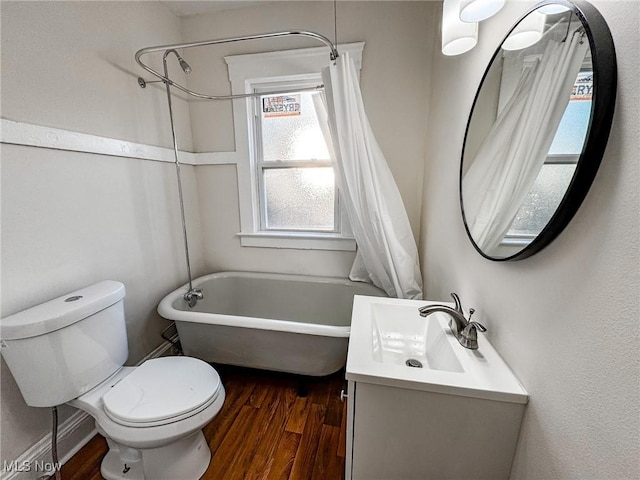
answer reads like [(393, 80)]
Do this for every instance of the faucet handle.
[(458, 305), (477, 325), (469, 335)]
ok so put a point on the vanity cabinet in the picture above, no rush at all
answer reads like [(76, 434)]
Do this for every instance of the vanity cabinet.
[(401, 434), (421, 406)]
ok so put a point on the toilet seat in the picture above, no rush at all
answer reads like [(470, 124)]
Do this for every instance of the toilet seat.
[(161, 391)]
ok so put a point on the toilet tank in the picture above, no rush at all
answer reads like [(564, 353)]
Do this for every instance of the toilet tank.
[(60, 349)]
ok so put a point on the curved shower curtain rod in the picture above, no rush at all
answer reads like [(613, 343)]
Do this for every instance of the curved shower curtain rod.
[(164, 78), (194, 294)]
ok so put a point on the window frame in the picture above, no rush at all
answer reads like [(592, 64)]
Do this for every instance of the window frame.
[(262, 68), (522, 240), (512, 239), (261, 165)]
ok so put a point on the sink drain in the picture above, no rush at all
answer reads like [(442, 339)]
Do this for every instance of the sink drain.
[(412, 362)]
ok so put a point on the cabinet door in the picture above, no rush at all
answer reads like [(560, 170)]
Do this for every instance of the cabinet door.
[(403, 434), (351, 395)]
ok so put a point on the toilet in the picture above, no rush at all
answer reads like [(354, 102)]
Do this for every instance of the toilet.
[(72, 350)]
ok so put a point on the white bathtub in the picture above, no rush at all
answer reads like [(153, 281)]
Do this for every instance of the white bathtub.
[(288, 323)]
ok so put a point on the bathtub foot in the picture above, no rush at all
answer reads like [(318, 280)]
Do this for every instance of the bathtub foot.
[(303, 388)]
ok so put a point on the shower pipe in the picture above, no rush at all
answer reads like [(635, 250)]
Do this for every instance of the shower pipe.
[(333, 55), (194, 294)]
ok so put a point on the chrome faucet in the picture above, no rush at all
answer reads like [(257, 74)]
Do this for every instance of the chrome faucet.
[(192, 297), (466, 331)]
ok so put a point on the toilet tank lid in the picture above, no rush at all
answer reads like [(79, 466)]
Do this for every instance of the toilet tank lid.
[(62, 311)]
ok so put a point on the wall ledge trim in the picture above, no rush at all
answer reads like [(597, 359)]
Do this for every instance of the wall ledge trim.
[(30, 135)]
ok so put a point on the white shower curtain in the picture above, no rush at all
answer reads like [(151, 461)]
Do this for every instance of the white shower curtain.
[(510, 158), (387, 254)]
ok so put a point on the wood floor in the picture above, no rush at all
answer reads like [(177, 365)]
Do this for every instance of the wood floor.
[(267, 429)]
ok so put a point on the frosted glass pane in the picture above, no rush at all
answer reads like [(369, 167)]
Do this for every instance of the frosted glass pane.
[(543, 199), (290, 128), (300, 198)]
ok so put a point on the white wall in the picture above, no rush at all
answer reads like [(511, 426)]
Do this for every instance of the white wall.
[(566, 319), (70, 219), (395, 85)]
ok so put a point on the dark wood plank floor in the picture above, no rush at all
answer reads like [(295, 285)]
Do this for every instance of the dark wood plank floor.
[(267, 429)]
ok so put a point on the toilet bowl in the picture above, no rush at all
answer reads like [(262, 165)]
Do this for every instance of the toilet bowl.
[(72, 350), (152, 417)]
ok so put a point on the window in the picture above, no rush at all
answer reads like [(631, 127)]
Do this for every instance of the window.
[(295, 176), (556, 173), (286, 186)]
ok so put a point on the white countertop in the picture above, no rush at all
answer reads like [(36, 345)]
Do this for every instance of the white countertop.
[(386, 330)]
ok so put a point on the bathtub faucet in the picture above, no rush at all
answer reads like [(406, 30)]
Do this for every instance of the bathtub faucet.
[(464, 330), (192, 297)]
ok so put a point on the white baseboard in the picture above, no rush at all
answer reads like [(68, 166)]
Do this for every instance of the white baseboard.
[(73, 434)]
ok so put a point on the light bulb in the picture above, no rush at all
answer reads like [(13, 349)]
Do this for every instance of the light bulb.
[(526, 33), (553, 9), (457, 37), (478, 10)]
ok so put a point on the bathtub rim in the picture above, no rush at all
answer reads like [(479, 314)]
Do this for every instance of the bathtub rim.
[(165, 307)]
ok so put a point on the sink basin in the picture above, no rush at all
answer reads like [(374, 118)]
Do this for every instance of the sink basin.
[(391, 344), (400, 337)]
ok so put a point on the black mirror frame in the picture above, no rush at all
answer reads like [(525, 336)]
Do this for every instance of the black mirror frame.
[(604, 84)]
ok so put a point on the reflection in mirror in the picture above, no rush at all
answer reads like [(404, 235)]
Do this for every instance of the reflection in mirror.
[(527, 131)]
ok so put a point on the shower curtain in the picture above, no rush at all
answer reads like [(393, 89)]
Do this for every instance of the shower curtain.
[(387, 255), (510, 158)]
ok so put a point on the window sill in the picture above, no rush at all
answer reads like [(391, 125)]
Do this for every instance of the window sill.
[(299, 241), (519, 241)]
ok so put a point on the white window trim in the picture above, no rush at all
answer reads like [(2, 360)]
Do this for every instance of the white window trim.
[(245, 70)]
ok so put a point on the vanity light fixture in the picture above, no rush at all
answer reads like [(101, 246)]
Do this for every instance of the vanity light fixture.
[(478, 10), (528, 32), (457, 36)]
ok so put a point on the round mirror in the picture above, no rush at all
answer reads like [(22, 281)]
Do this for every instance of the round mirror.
[(538, 129)]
